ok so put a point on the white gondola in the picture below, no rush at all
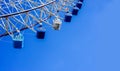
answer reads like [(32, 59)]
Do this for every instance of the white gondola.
[(57, 24)]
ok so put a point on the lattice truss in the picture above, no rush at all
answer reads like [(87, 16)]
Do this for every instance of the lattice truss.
[(18, 15)]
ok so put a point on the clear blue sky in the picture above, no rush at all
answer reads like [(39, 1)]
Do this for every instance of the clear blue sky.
[(91, 42)]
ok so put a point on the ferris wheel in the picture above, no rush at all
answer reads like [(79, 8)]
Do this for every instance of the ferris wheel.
[(19, 15)]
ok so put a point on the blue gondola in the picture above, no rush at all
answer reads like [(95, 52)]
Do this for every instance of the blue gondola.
[(81, 0), (75, 10), (79, 4), (40, 33), (68, 17), (18, 41)]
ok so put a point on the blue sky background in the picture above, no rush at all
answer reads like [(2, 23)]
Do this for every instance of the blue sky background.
[(91, 42)]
